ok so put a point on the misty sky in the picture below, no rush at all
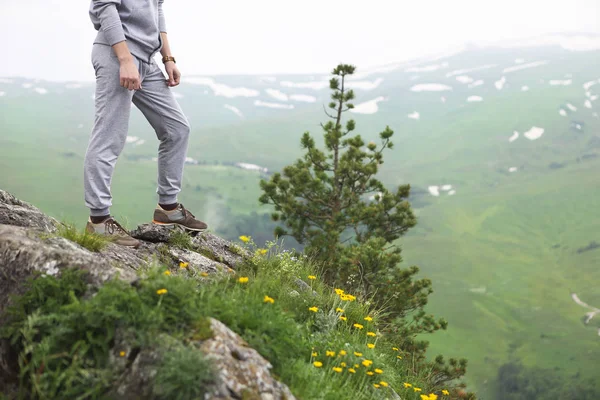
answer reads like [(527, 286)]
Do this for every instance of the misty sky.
[(52, 39)]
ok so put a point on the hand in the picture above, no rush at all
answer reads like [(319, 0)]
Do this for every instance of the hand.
[(174, 74), (130, 76)]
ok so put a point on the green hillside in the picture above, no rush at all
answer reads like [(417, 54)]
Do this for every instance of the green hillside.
[(505, 246)]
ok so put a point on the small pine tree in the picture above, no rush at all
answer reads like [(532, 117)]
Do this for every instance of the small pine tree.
[(331, 202)]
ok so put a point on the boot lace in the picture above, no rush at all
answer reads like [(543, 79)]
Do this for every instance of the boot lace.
[(113, 226), (186, 212)]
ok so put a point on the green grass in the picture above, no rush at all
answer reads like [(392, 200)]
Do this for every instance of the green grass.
[(91, 241), (83, 343)]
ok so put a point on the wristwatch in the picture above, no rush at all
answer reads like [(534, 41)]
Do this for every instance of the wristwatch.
[(166, 59)]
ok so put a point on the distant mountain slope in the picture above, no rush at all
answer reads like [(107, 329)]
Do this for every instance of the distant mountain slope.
[(501, 145)]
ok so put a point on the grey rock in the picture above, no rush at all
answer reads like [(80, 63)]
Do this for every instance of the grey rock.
[(152, 233), (19, 213), (222, 250), (198, 262), (23, 253), (242, 371), (304, 287)]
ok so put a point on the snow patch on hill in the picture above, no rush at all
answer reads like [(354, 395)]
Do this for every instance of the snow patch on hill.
[(467, 70), (427, 68), (588, 85), (558, 82), (472, 99), (464, 79), (260, 103), (514, 137), (534, 133), (235, 110), (434, 190), (476, 83), (322, 84), (303, 97), (414, 115), (368, 107), (500, 84), (525, 88), (524, 66), (223, 90), (41, 90), (430, 87), (277, 95)]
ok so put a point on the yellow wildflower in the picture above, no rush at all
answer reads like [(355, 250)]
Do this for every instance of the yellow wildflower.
[(312, 277), (343, 318), (343, 364), (445, 392), (167, 272), (433, 396), (368, 319), (416, 389), (357, 354), (330, 353), (384, 384), (339, 292), (352, 370), (204, 274), (268, 299), (370, 373), (337, 369), (122, 354), (376, 386), (424, 397), (318, 364), (342, 352), (245, 238), (262, 252), (183, 264), (313, 309), (395, 348), (407, 385), (356, 366), (350, 297), (367, 363), (372, 334), (243, 279), (378, 371), (371, 345), (339, 310), (314, 354), (160, 292), (399, 357), (358, 326)]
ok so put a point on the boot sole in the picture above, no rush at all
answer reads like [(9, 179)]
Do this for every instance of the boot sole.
[(178, 225)]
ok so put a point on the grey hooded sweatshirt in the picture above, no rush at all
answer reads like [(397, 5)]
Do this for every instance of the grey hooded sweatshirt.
[(139, 22)]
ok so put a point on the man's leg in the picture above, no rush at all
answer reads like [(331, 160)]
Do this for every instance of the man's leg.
[(159, 106), (113, 107), (157, 103)]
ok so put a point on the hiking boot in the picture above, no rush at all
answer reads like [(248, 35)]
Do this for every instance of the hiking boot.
[(114, 232), (178, 217)]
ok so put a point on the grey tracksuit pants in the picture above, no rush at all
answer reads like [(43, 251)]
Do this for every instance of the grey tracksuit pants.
[(113, 107)]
